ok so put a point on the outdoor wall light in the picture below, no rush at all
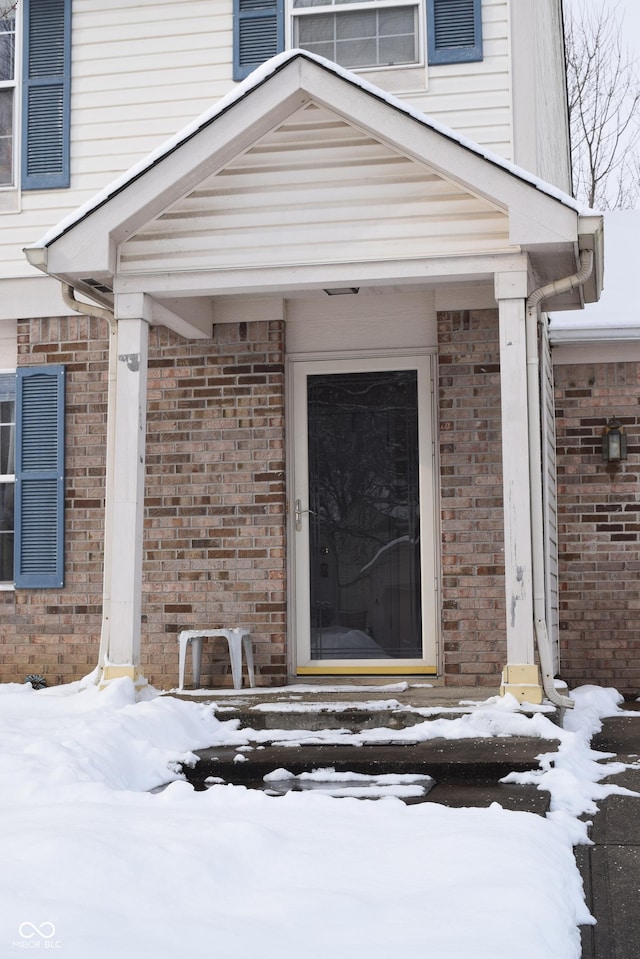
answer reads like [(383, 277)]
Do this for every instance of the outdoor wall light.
[(614, 442)]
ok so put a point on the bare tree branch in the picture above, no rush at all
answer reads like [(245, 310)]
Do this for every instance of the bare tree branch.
[(603, 85)]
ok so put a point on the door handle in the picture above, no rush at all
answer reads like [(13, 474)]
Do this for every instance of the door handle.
[(299, 513)]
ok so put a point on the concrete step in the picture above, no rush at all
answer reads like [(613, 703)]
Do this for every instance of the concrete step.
[(315, 716), (350, 707), (466, 772)]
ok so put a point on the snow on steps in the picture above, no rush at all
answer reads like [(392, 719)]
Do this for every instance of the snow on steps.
[(374, 731)]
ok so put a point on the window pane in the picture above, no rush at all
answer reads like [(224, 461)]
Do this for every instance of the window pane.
[(6, 137), (7, 389), (7, 467), (6, 532), (7, 450), (7, 422), (395, 22), (326, 50), (7, 48), (394, 50), (324, 3), (357, 53), (328, 3), (312, 30), (360, 38), (354, 26)]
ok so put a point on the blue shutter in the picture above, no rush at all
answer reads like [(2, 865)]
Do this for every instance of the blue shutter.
[(258, 34), (454, 31), (39, 517), (46, 94)]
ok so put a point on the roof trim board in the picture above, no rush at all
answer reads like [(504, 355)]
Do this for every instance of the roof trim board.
[(86, 242)]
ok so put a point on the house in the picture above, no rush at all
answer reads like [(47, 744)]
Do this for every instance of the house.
[(289, 369)]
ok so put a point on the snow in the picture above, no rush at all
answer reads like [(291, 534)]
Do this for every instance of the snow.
[(290, 691), (371, 705), (98, 860), (341, 784)]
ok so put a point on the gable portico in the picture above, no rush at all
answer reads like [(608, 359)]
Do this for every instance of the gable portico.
[(308, 180)]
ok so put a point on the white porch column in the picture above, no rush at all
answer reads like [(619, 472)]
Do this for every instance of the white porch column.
[(123, 580), (521, 676)]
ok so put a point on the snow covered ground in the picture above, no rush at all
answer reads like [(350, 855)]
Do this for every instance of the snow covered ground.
[(94, 864)]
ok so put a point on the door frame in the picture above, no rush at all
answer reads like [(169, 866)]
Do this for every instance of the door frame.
[(299, 366)]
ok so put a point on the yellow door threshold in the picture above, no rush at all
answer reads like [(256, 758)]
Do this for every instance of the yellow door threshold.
[(366, 671)]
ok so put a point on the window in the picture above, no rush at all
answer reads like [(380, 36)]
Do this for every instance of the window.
[(454, 31), (377, 33), (358, 34), (7, 472), (7, 94), (39, 493)]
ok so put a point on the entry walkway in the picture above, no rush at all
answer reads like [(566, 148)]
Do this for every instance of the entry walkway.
[(611, 867), (466, 773)]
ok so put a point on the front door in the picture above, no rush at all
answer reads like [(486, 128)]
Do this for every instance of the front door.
[(363, 516)]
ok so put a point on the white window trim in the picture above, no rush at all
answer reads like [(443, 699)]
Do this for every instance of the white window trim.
[(421, 26)]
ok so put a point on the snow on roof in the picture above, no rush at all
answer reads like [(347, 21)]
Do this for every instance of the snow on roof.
[(618, 310), (259, 76)]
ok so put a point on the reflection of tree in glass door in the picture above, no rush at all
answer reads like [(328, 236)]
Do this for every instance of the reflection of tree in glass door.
[(364, 515)]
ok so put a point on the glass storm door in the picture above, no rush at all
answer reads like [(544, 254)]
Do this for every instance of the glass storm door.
[(362, 509)]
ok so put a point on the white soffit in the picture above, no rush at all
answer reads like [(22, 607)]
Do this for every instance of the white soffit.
[(317, 189)]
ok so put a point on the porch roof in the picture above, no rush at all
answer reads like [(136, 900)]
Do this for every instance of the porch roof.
[(307, 176)]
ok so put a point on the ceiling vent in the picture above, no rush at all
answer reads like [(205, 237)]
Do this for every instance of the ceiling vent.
[(97, 285)]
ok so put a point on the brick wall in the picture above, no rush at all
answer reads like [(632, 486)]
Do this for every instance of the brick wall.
[(215, 501), (599, 526), (45, 631), (473, 603), (215, 508), (215, 422)]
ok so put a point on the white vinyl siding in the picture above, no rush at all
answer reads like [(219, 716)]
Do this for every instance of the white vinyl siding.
[(313, 191), (549, 495), (475, 98), (140, 72), (552, 154)]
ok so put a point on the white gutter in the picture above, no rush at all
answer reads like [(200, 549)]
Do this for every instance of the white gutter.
[(90, 309), (532, 319), (594, 334)]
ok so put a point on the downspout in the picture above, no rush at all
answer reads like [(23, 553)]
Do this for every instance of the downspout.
[(532, 319), (90, 309)]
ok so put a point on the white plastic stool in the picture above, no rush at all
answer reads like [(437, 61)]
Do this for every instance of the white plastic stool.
[(237, 639)]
